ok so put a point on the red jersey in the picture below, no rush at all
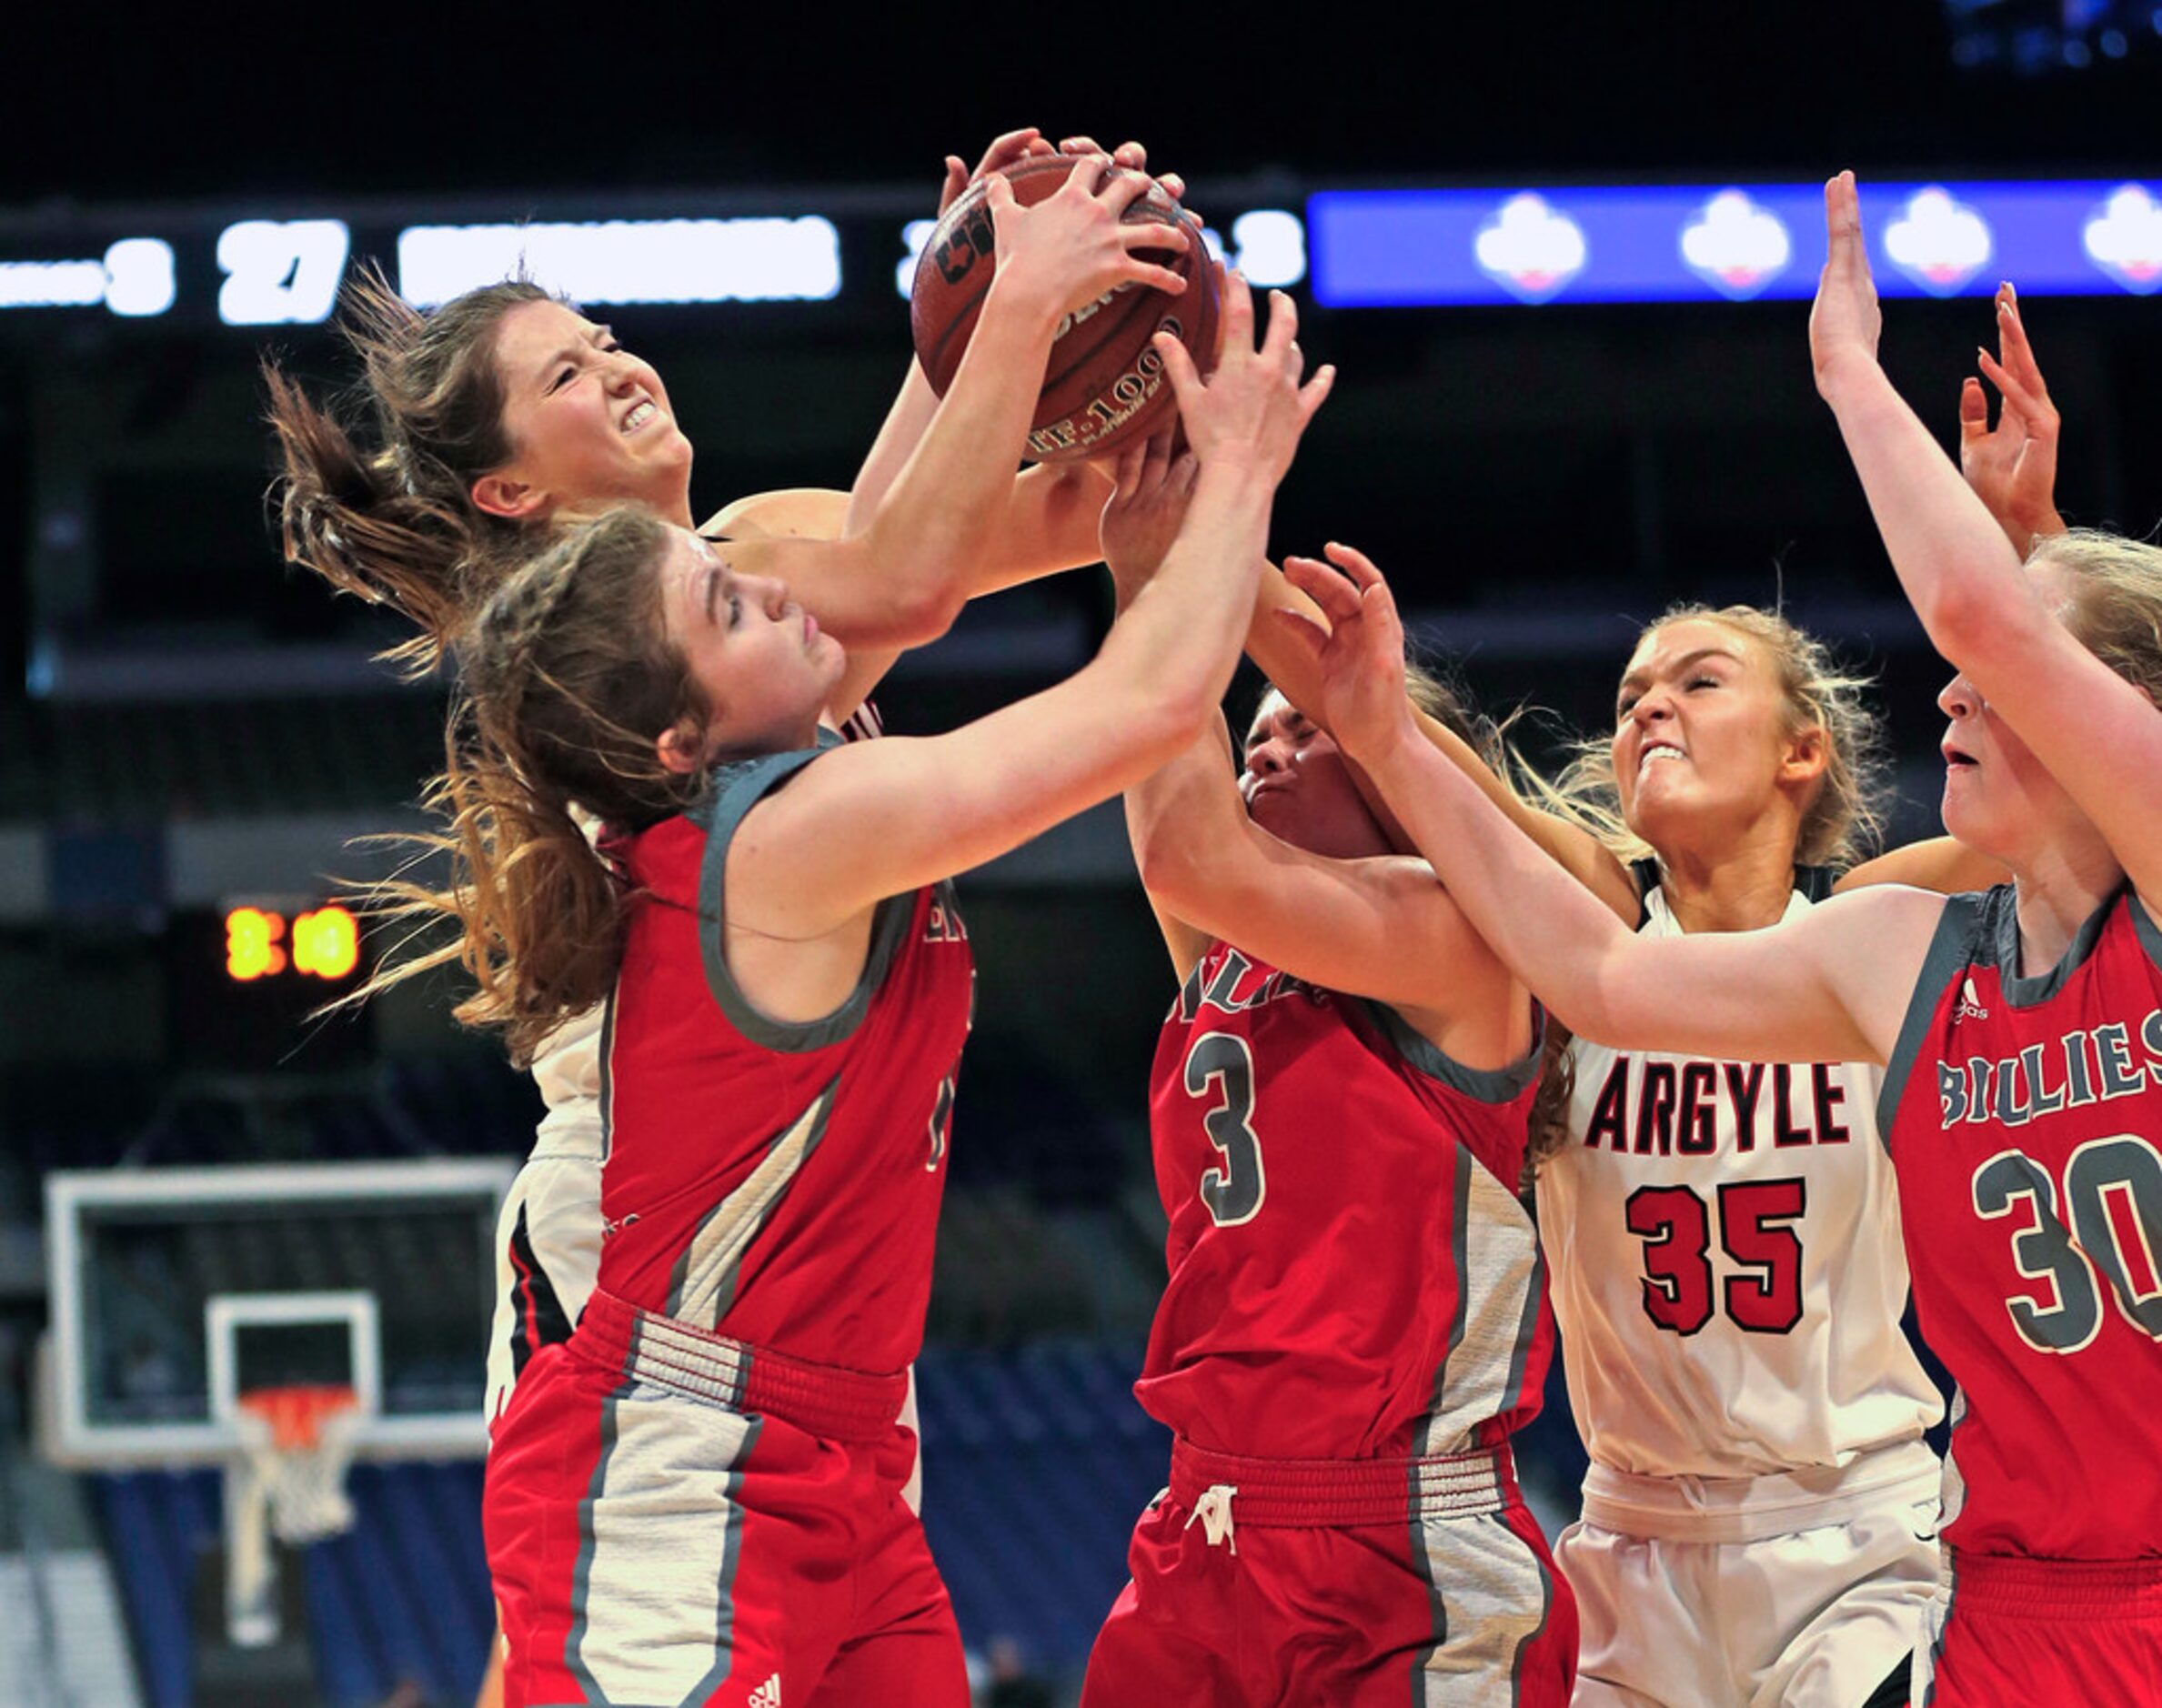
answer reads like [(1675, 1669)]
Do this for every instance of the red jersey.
[(775, 1182), (1352, 1273), (2024, 1119)]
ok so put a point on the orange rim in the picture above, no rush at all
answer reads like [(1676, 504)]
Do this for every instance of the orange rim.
[(297, 1414)]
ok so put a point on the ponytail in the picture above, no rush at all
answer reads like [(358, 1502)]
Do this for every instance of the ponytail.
[(571, 681), (387, 513), (539, 909)]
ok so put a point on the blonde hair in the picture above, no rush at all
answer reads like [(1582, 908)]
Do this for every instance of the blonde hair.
[(2116, 610), (1842, 818)]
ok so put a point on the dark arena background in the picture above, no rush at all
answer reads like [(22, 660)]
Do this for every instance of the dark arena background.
[(1574, 388)]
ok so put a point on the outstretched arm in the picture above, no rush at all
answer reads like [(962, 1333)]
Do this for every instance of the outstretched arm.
[(1050, 520), (884, 817), (900, 579), (1832, 987), (2099, 736), (1380, 928)]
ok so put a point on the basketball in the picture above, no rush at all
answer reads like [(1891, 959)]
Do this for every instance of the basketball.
[(1104, 384)]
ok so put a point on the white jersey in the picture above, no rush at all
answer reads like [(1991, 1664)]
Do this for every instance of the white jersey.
[(567, 1069), (548, 1235), (1725, 1257)]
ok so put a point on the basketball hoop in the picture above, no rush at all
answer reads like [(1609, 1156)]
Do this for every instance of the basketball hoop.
[(299, 1442), (288, 1481)]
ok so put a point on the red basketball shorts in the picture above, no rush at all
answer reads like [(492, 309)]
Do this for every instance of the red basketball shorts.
[(673, 1517), (1357, 1584), (2043, 1634)]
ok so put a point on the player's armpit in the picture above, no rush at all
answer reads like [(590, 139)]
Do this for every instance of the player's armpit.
[(1185, 943)]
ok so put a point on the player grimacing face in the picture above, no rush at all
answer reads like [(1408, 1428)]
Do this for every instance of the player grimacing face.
[(1700, 733), (589, 423), (760, 659), (1298, 786)]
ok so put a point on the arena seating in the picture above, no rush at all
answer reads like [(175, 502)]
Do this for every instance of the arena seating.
[(1036, 1463), (402, 1597)]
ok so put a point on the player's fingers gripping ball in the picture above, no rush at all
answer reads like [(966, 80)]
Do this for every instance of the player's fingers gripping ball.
[(1104, 384)]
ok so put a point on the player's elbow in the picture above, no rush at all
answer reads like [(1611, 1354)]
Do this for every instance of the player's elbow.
[(1171, 718), (923, 608), (1971, 622), (1598, 1007), (1170, 869)]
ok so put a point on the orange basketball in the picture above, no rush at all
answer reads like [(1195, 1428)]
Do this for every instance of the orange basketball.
[(1104, 383)]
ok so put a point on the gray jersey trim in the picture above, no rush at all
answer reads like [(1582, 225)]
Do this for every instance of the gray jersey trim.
[(702, 1285), (1484, 1085), (606, 1102), (737, 789), (1527, 1326), (1960, 931), (574, 1658), (2023, 992), (1459, 1231), (2150, 934)]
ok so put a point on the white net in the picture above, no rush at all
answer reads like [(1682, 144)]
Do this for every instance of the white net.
[(298, 1452), (288, 1481)]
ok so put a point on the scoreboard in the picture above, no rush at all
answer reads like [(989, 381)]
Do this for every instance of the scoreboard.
[(848, 255), (247, 984), (321, 942), (851, 255)]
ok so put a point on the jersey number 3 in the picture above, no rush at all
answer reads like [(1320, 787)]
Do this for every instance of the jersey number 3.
[(1755, 1228), (1221, 1065)]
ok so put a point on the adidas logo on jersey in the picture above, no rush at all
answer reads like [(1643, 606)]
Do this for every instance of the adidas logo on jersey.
[(767, 1695), (1969, 1007)]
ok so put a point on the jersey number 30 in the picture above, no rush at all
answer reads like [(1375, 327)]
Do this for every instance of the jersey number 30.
[(1221, 1065), (1754, 1229), (2063, 1247)]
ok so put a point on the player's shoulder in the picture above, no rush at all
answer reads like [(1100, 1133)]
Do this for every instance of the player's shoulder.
[(790, 512), (1902, 910)]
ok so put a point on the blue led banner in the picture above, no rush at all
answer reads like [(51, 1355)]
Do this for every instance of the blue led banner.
[(1697, 243)]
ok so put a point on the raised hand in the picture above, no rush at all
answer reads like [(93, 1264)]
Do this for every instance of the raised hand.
[(1845, 321), (1253, 407), (1073, 247), (1360, 657), (1130, 154), (2012, 467), (1151, 492), (1008, 150)]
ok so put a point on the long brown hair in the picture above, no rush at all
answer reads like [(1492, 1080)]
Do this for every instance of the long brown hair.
[(375, 492), (569, 682)]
